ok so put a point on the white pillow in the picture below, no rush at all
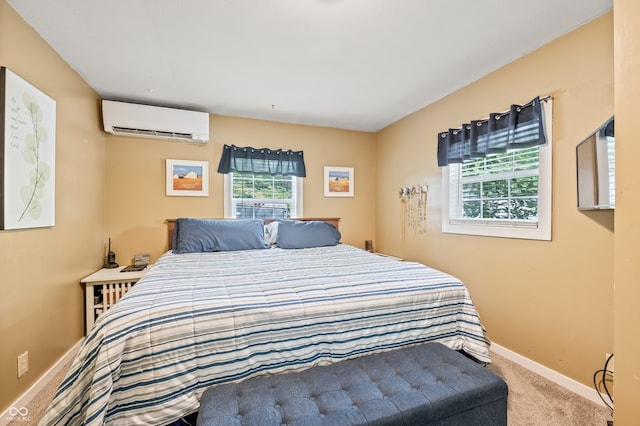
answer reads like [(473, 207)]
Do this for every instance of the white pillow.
[(271, 233)]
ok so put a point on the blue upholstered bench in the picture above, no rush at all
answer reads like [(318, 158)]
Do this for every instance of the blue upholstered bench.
[(427, 384)]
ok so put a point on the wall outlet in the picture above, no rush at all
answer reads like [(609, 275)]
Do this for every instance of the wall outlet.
[(610, 365), (23, 364)]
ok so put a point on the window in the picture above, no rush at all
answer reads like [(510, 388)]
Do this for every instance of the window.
[(262, 183), (503, 195), (248, 195)]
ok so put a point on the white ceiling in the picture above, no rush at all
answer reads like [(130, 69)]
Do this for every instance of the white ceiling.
[(353, 64)]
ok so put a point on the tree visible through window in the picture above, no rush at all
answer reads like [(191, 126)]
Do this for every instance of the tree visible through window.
[(263, 196), (499, 186)]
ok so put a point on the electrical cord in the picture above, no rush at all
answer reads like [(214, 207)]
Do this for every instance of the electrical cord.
[(595, 384), (603, 380)]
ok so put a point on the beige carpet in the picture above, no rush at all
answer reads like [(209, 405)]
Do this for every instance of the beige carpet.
[(38, 405), (533, 400)]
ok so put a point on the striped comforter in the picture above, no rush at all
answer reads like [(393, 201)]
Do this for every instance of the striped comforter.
[(200, 319)]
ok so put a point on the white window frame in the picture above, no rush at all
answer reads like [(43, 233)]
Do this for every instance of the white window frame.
[(229, 213), (540, 230)]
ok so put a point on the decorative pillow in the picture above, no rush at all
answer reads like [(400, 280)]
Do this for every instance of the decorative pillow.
[(204, 235), (293, 234), (271, 233)]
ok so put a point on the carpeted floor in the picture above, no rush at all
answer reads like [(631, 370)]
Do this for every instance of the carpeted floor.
[(38, 405), (533, 400)]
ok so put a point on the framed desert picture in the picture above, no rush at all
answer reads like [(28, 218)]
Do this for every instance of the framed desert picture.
[(338, 181), (187, 178), (27, 154)]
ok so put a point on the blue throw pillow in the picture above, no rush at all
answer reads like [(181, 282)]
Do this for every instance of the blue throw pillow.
[(293, 234), (205, 235)]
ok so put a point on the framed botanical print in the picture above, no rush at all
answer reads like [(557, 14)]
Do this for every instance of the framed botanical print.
[(28, 154)]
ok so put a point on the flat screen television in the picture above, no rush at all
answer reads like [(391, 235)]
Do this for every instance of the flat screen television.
[(596, 164)]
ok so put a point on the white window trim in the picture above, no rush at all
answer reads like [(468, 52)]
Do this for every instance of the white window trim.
[(511, 229), (227, 192)]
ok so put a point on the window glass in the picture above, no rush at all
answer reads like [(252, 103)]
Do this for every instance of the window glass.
[(500, 186), (262, 196)]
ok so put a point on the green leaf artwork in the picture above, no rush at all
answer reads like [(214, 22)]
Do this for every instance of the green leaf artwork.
[(32, 192), (27, 154)]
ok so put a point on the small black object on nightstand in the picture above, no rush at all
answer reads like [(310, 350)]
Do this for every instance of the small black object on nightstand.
[(133, 268)]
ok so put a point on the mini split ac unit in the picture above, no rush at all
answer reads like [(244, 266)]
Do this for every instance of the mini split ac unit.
[(127, 119)]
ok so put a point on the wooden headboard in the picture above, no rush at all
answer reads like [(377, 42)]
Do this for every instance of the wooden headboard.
[(171, 224)]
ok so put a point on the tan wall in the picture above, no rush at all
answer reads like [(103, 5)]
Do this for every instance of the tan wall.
[(627, 239), (549, 301), (137, 205), (41, 308)]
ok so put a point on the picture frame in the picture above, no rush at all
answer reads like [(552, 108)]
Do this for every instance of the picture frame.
[(187, 178), (338, 181), (27, 154)]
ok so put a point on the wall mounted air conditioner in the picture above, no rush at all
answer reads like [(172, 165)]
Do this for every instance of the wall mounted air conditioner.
[(127, 119)]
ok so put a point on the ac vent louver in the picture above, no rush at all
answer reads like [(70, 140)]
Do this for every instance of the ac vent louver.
[(153, 133)]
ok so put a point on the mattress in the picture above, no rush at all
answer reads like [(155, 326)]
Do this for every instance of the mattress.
[(200, 319)]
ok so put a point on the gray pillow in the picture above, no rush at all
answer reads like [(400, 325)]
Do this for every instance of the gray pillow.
[(205, 235), (294, 234)]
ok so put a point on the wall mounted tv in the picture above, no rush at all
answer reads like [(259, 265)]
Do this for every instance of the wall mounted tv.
[(596, 164)]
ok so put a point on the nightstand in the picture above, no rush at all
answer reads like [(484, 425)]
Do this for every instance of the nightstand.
[(104, 288)]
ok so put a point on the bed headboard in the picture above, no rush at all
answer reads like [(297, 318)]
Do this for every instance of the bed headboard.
[(171, 223)]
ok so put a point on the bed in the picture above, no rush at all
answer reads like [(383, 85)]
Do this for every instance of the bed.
[(298, 299)]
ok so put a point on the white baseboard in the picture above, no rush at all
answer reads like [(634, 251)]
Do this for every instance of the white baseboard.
[(549, 374), (26, 397)]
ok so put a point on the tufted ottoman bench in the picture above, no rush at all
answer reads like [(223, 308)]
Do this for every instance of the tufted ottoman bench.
[(427, 384)]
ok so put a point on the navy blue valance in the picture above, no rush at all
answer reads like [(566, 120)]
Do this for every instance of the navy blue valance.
[(520, 127), (609, 128), (274, 162)]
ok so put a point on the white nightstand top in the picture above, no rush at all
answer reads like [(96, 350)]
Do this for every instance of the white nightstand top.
[(114, 274)]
